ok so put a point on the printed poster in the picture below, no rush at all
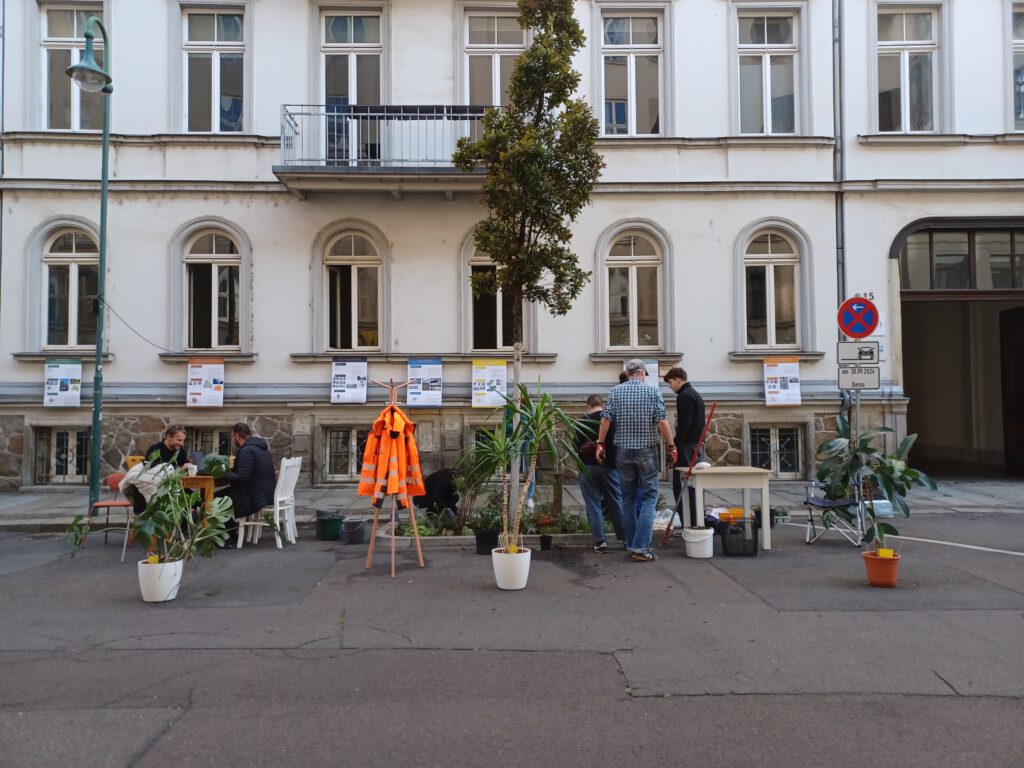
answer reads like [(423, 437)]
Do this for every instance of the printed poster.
[(348, 380), (424, 382), (651, 377), (63, 384), (205, 386), (782, 381), (490, 383)]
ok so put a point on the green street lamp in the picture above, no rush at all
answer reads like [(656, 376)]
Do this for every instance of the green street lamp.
[(90, 77)]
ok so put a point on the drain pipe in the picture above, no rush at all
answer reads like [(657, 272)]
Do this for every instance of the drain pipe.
[(838, 152)]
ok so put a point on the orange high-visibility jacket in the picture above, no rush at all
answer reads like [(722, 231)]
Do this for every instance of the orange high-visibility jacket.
[(391, 461)]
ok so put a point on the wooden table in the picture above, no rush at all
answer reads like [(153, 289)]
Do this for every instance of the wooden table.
[(203, 484), (745, 478)]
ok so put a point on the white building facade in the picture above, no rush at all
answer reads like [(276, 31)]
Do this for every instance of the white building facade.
[(281, 195)]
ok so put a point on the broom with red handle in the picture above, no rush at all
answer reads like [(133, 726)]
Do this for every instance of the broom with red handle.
[(693, 461)]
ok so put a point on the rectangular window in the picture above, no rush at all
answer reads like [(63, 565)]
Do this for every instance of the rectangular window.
[(767, 49), (631, 53), (72, 282), (68, 107), (1017, 86), (492, 317), (213, 291), (343, 452), (771, 266), (984, 260), (214, 71), (907, 61), (353, 296), (493, 41), (351, 51), (210, 440), (777, 449), (62, 455)]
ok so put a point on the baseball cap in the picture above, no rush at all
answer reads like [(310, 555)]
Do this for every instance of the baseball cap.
[(635, 365)]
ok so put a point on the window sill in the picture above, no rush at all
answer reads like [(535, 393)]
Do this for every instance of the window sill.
[(87, 356), (681, 142), (246, 358), (759, 356), (664, 358), (937, 139), (395, 357)]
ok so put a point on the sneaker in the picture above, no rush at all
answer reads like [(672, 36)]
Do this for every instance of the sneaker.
[(601, 549), (643, 557)]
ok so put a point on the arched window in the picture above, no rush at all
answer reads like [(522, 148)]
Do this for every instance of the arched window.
[(491, 313), (213, 283), (71, 277), (352, 271), (634, 273), (771, 267)]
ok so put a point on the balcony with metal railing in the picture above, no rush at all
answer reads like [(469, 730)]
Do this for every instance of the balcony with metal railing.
[(385, 148)]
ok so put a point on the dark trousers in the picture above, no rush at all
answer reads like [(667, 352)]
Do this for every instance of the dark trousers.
[(685, 456)]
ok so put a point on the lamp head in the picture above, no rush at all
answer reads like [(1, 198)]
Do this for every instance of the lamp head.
[(87, 73)]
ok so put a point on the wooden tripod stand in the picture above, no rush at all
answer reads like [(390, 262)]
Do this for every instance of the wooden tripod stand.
[(392, 389)]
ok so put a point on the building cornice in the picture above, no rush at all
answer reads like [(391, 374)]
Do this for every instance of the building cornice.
[(13, 138), (925, 140)]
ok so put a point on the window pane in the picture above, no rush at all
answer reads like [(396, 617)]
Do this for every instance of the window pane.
[(485, 316), (200, 277), (509, 31), (645, 30), (647, 306), (992, 254), (480, 83), (889, 93), (777, 245), (751, 30), (1018, 91), (789, 449), (60, 24), (785, 304), (751, 95), (203, 244), (615, 95), (231, 78), (227, 306), (366, 29), (223, 244), (761, 447), (229, 27), (366, 278), (921, 92), (339, 452), (58, 102), (890, 27), (336, 80), (919, 26), (507, 64), (88, 287), (783, 104), (618, 307), (481, 30), (757, 305), (917, 270), (82, 17), (507, 322), (200, 68), (647, 94), (779, 30), (90, 105), (1018, 25), (368, 79), (338, 29), (58, 297), (201, 27), (951, 261), (84, 244), (616, 30), (339, 279), (1018, 260), (759, 246)]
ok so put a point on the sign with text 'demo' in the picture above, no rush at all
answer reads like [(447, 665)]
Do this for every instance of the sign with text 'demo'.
[(859, 377)]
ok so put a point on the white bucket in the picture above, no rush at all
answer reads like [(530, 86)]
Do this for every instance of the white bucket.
[(700, 542), (159, 581), (511, 571)]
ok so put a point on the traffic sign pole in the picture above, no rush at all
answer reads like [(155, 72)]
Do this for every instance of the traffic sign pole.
[(857, 318)]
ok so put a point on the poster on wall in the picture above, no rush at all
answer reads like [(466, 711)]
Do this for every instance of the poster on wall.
[(205, 386), (348, 380), (490, 382), (651, 376), (63, 384), (782, 381), (424, 382)]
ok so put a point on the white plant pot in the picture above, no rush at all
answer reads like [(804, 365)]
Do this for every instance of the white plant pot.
[(511, 571), (700, 542), (159, 582)]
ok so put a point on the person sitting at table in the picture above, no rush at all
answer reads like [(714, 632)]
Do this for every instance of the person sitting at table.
[(253, 478), (169, 450)]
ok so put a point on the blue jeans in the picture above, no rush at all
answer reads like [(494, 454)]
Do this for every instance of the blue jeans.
[(598, 485), (638, 476)]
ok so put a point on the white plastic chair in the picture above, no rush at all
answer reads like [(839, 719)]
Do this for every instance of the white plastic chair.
[(283, 506)]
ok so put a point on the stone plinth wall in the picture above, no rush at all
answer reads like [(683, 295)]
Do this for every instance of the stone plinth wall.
[(12, 450), (724, 442)]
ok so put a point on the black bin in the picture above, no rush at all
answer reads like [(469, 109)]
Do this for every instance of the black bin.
[(738, 539)]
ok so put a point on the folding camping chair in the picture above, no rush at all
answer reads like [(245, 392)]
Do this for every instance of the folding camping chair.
[(830, 519)]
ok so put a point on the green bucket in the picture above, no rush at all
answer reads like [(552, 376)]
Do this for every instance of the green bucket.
[(328, 524)]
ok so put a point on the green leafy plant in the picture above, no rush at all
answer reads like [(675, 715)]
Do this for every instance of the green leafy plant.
[(488, 517), (853, 469)]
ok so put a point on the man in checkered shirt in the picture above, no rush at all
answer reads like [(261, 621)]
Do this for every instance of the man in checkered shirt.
[(638, 412)]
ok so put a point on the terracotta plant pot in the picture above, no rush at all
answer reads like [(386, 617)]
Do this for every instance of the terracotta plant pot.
[(882, 571)]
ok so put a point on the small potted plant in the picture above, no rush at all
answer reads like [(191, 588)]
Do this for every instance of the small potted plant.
[(486, 525), (855, 471)]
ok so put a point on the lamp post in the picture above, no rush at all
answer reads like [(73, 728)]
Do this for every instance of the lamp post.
[(90, 77)]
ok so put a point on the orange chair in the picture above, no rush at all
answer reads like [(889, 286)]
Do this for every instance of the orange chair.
[(113, 482), (131, 461)]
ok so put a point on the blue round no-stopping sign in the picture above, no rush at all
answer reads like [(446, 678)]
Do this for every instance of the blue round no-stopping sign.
[(858, 318)]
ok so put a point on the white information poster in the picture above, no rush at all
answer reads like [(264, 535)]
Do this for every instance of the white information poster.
[(490, 382), (424, 382), (348, 380), (63, 384), (651, 376), (782, 381), (205, 382)]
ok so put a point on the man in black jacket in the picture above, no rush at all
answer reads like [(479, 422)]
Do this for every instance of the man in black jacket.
[(689, 426), (253, 478)]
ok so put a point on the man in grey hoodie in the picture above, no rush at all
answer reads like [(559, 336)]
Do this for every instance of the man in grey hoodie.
[(253, 478)]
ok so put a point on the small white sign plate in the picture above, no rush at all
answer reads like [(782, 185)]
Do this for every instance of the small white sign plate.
[(860, 378), (857, 353)]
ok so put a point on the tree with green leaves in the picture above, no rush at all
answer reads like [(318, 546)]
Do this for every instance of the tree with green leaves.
[(541, 166)]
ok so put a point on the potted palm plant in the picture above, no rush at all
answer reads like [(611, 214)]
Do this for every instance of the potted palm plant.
[(533, 428), (857, 472), (171, 530)]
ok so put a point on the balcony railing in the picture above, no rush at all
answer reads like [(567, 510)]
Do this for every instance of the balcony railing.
[(357, 137)]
